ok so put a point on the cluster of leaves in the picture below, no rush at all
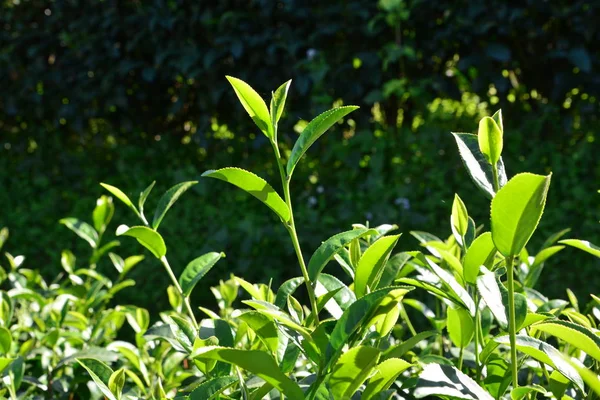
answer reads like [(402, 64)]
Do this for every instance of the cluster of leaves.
[(504, 338)]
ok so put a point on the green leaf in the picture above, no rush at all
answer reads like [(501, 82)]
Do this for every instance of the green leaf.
[(278, 102), (576, 335), (455, 288), (448, 381), (272, 311), (497, 117), (116, 382), (286, 289), (196, 270), (255, 186), (489, 136), (460, 326), (313, 131), (144, 196), (103, 213), (386, 314), (481, 252), (399, 350), (264, 327), (516, 211), (476, 164), (256, 362), (100, 374), (351, 370), (82, 229), (583, 245), (4, 363), (372, 262), (520, 304), (384, 376), (488, 288), (459, 219), (546, 354), (168, 199), (147, 237), (253, 104), (342, 299), (211, 388), (332, 246), (115, 191), (5, 340)]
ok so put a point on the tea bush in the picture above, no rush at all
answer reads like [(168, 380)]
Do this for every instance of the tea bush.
[(490, 334)]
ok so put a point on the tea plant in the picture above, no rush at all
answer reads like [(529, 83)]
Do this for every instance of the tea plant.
[(493, 334)]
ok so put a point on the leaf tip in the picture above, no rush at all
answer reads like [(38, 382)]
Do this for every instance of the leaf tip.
[(122, 229)]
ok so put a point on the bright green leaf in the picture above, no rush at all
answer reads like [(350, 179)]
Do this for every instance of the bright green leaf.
[(253, 104), (490, 139), (460, 326), (576, 335), (313, 131), (147, 237), (103, 213), (332, 246), (384, 376), (115, 191), (5, 340), (516, 211), (82, 229), (211, 388), (460, 218), (168, 199), (256, 362), (583, 245), (372, 262), (264, 327), (196, 270), (448, 381), (481, 252), (278, 101), (351, 370), (488, 288), (255, 186)]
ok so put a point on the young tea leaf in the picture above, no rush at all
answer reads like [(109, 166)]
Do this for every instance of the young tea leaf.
[(477, 165), (313, 131), (481, 252), (372, 263), (490, 140), (255, 186), (253, 104), (100, 374), (448, 381), (103, 213), (384, 376), (460, 218), (460, 326), (351, 370), (332, 246), (115, 191), (144, 196), (147, 237), (278, 101), (516, 211), (583, 245), (576, 335), (211, 388), (196, 270), (168, 199), (82, 229)]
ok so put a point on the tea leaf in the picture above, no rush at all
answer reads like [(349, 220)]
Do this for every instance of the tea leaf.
[(103, 213), (264, 327), (313, 131), (147, 237), (578, 336), (476, 163), (116, 382), (115, 191), (497, 117), (492, 296), (4, 363), (583, 245), (342, 299), (459, 220), (5, 340), (278, 102), (286, 289), (490, 139), (524, 391), (168, 199), (399, 350), (545, 353), (100, 374), (448, 381), (211, 388), (256, 362), (332, 246), (372, 262), (196, 270), (82, 229), (481, 252), (460, 326), (254, 185), (516, 211), (144, 196), (253, 104), (351, 370), (384, 376)]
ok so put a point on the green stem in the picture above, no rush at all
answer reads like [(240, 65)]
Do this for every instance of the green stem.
[(477, 329), (495, 182), (186, 300), (291, 228), (460, 358), (511, 321), (407, 320)]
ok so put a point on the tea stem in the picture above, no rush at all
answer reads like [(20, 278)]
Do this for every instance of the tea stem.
[(477, 328), (186, 300), (511, 321), (291, 228), (495, 181)]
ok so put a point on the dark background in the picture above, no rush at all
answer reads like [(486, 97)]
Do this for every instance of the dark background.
[(126, 92)]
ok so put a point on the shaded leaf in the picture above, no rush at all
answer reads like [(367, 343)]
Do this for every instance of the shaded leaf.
[(168, 199), (196, 270)]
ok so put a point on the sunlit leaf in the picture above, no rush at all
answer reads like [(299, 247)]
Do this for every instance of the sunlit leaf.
[(147, 237)]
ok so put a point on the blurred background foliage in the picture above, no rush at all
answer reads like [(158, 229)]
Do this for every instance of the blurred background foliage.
[(126, 92)]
